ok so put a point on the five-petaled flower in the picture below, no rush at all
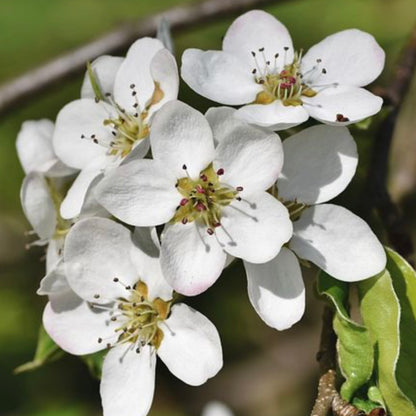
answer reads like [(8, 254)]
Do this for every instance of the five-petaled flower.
[(213, 200), (278, 87), (112, 119), (118, 299)]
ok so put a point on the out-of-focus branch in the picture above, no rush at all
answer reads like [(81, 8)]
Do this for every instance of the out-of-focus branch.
[(377, 195), (73, 62)]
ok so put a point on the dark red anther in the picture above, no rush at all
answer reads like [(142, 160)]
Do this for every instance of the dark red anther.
[(210, 231), (220, 172), (200, 189), (200, 207), (204, 177), (341, 118), (184, 220), (218, 224), (239, 188), (184, 201)]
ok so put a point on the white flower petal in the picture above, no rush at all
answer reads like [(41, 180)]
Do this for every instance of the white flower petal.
[(222, 122), (165, 72), (97, 250), (140, 193), (274, 116), (276, 290), (320, 162), (55, 281), (255, 30), (74, 200), (181, 136), (54, 253), (135, 70), (105, 69), (339, 242), (82, 117), (350, 57), (139, 151), (148, 263), (219, 76), (355, 104), (191, 346), (191, 259), (74, 326), (128, 381), (254, 229), (250, 156), (216, 409), (34, 145), (38, 205)]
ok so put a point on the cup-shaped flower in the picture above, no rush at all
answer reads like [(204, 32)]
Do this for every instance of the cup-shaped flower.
[(320, 162), (213, 200), (111, 121), (278, 87), (35, 150), (121, 301)]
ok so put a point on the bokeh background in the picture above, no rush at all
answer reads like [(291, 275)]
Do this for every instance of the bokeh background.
[(266, 373)]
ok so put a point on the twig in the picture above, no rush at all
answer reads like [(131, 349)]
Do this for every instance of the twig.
[(377, 195), (73, 62), (328, 397)]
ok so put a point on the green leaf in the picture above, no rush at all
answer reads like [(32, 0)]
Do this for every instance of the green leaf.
[(94, 83), (46, 351), (354, 347), (382, 298), (94, 363)]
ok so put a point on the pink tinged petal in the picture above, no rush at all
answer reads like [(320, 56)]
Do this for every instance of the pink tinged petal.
[(82, 118), (191, 346), (250, 156), (255, 30), (97, 251), (338, 242), (135, 71), (147, 262), (276, 290), (340, 106), (181, 137), (191, 259), (216, 409), (254, 229), (55, 281), (105, 70), (140, 193), (128, 381), (75, 326), (74, 200), (320, 162), (38, 205), (164, 71), (219, 76), (350, 57), (274, 116)]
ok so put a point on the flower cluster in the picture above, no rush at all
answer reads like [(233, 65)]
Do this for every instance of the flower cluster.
[(128, 157)]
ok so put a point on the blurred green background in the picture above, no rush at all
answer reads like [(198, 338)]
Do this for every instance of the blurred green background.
[(266, 373)]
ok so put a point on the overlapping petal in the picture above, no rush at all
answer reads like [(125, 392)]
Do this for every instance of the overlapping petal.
[(339, 242), (191, 346)]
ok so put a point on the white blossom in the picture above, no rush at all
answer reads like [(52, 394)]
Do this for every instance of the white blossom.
[(119, 300), (110, 123), (213, 200), (278, 87)]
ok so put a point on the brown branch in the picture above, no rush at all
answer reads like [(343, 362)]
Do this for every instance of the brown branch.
[(65, 66), (377, 195)]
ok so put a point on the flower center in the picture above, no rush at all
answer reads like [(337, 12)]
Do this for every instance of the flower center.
[(204, 198), (284, 83), (139, 317)]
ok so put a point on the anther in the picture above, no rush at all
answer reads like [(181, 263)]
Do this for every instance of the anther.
[(220, 172), (115, 280), (253, 53), (238, 198), (108, 94), (204, 177), (200, 207), (286, 48), (184, 167), (82, 136), (239, 188), (319, 60), (261, 49), (132, 86), (100, 340), (96, 296), (323, 70), (183, 202), (184, 221), (254, 71), (210, 231), (276, 55)]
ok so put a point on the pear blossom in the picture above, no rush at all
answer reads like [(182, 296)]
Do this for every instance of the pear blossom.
[(35, 150), (110, 123), (119, 300), (212, 200), (278, 87), (216, 408), (320, 161)]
